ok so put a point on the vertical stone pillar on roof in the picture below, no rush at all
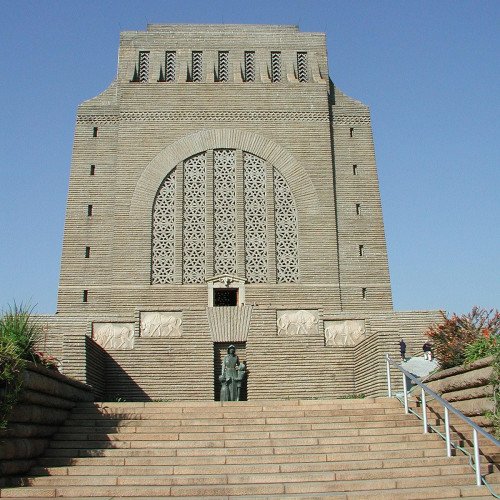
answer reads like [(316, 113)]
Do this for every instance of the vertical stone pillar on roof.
[(210, 59)]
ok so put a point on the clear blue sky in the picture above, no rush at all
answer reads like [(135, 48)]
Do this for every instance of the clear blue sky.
[(429, 70)]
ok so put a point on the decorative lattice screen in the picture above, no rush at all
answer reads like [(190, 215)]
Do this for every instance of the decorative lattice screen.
[(223, 72), (194, 219), (255, 218), (302, 71), (143, 66), (249, 66), (197, 67), (170, 66), (276, 66), (287, 255), (163, 264), (224, 211)]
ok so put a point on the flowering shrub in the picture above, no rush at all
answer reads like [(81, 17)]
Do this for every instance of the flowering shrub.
[(486, 345), (464, 338)]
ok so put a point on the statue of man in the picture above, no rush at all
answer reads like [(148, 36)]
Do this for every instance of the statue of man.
[(229, 376)]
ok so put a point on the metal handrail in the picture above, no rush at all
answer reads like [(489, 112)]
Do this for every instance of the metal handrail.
[(447, 408)]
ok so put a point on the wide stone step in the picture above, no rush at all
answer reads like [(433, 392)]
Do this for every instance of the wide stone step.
[(169, 435), (157, 442), (233, 487), (157, 419), (252, 477), (236, 407), (166, 426), (193, 469), (172, 459), (429, 449), (280, 403)]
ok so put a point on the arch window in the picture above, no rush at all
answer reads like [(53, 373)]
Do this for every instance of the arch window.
[(238, 216)]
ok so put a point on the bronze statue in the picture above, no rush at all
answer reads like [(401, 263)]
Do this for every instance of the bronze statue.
[(232, 376)]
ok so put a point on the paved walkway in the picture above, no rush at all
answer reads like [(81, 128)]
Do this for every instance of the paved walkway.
[(419, 367)]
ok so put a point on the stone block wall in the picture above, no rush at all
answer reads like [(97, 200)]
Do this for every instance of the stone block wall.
[(176, 364), (467, 388), (95, 359), (361, 243), (45, 402)]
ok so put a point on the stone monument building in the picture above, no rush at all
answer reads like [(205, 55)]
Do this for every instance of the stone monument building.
[(224, 191)]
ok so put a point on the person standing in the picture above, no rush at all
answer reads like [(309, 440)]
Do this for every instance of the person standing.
[(402, 349), (427, 348)]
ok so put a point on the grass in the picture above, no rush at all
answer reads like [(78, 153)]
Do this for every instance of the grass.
[(18, 336)]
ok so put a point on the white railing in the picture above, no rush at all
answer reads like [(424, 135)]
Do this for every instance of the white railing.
[(447, 408)]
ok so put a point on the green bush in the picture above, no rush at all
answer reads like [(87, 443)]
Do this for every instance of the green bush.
[(487, 345), (18, 335)]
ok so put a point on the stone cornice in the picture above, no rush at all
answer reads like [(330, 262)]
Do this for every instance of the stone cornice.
[(269, 116)]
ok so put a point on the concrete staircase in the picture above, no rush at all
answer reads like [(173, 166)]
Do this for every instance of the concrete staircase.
[(267, 449)]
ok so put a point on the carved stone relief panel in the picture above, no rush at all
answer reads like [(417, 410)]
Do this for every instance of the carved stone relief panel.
[(114, 336), (344, 333), (302, 322), (161, 324)]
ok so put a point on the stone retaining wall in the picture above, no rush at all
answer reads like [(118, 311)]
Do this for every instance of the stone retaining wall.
[(468, 388), (45, 402)]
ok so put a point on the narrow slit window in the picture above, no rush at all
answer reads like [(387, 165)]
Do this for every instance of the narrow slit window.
[(276, 67), (302, 70), (170, 66), (351, 132), (250, 66), (363, 293), (92, 169), (94, 132), (143, 66), (361, 250), (90, 210), (358, 208), (223, 67), (197, 66), (85, 296), (354, 170), (87, 252)]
